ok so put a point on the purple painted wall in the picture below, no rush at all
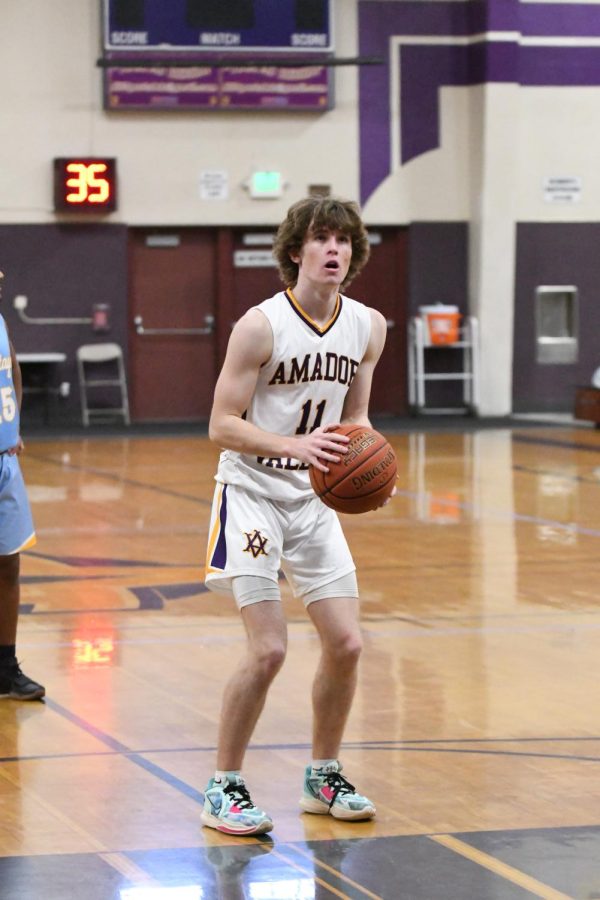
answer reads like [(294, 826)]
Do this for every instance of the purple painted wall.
[(554, 254), (63, 270), (438, 273), (438, 264), (426, 67), (551, 254)]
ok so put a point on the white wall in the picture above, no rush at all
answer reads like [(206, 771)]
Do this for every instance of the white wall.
[(558, 137), (436, 185), (51, 105), (555, 135)]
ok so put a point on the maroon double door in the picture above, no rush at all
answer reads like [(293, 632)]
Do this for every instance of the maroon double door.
[(188, 286)]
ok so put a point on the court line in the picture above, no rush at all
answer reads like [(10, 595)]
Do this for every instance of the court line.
[(233, 621), (420, 632), (509, 873), (112, 530), (334, 871), (507, 753), (572, 527), (102, 562), (553, 442), (73, 467), (555, 473), (57, 579), (95, 844), (489, 740), (275, 851), (213, 640), (506, 516), (468, 617), (220, 623), (446, 840), (177, 783), (118, 749), (127, 867), (558, 628), (568, 627)]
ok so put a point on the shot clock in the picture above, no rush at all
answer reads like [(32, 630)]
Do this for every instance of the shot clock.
[(85, 185)]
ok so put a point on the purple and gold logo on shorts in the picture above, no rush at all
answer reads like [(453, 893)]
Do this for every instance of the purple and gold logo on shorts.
[(256, 544)]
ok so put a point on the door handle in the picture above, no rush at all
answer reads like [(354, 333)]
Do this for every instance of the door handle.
[(208, 329)]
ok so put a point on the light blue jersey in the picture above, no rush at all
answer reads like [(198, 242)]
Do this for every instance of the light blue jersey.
[(16, 525), (9, 409)]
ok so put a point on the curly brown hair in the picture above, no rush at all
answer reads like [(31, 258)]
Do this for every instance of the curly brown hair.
[(313, 214)]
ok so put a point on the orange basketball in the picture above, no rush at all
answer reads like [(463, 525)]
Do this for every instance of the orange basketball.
[(364, 477)]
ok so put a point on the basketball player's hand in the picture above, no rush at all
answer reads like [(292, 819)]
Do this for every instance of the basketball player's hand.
[(18, 448), (320, 446), (385, 502)]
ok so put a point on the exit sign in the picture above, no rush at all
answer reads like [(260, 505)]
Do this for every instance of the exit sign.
[(266, 185)]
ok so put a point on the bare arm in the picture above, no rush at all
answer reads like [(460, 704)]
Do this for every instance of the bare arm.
[(18, 384), (16, 375), (250, 346), (356, 404)]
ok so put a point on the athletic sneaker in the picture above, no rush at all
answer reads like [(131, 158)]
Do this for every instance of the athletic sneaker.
[(228, 807), (16, 685), (327, 791)]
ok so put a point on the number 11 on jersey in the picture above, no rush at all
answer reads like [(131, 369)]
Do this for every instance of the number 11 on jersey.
[(306, 411)]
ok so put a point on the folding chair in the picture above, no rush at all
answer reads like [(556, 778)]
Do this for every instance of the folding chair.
[(101, 375)]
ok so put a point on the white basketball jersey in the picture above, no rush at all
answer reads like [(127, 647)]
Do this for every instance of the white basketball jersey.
[(302, 386)]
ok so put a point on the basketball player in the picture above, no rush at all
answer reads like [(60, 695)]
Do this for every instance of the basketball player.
[(296, 366), (16, 526)]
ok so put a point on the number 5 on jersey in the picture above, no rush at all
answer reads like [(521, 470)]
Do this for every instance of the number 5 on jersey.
[(9, 407)]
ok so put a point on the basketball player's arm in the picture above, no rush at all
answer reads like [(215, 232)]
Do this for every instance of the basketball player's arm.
[(250, 347), (18, 385), (16, 375), (356, 404)]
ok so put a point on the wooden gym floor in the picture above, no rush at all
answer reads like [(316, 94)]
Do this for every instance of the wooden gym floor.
[(475, 727)]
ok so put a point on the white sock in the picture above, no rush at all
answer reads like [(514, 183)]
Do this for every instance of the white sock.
[(228, 775), (325, 765)]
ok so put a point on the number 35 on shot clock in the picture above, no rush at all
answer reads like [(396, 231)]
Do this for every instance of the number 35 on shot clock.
[(85, 184)]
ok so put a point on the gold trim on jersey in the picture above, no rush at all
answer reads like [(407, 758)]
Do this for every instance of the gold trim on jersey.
[(215, 533), (31, 540), (311, 322)]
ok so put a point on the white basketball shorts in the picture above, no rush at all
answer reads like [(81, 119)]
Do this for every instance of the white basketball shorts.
[(252, 535)]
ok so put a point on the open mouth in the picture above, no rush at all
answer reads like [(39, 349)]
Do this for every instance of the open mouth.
[(332, 265)]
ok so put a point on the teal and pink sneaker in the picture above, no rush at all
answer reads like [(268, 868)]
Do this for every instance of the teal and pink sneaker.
[(228, 807), (326, 791)]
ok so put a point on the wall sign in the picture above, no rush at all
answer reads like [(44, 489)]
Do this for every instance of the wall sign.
[(562, 190), (254, 259), (85, 185), (304, 88), (214, 184)]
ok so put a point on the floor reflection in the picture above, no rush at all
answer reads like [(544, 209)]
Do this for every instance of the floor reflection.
[(257, 870), (413, 867), (186, 892), (245, 871)]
